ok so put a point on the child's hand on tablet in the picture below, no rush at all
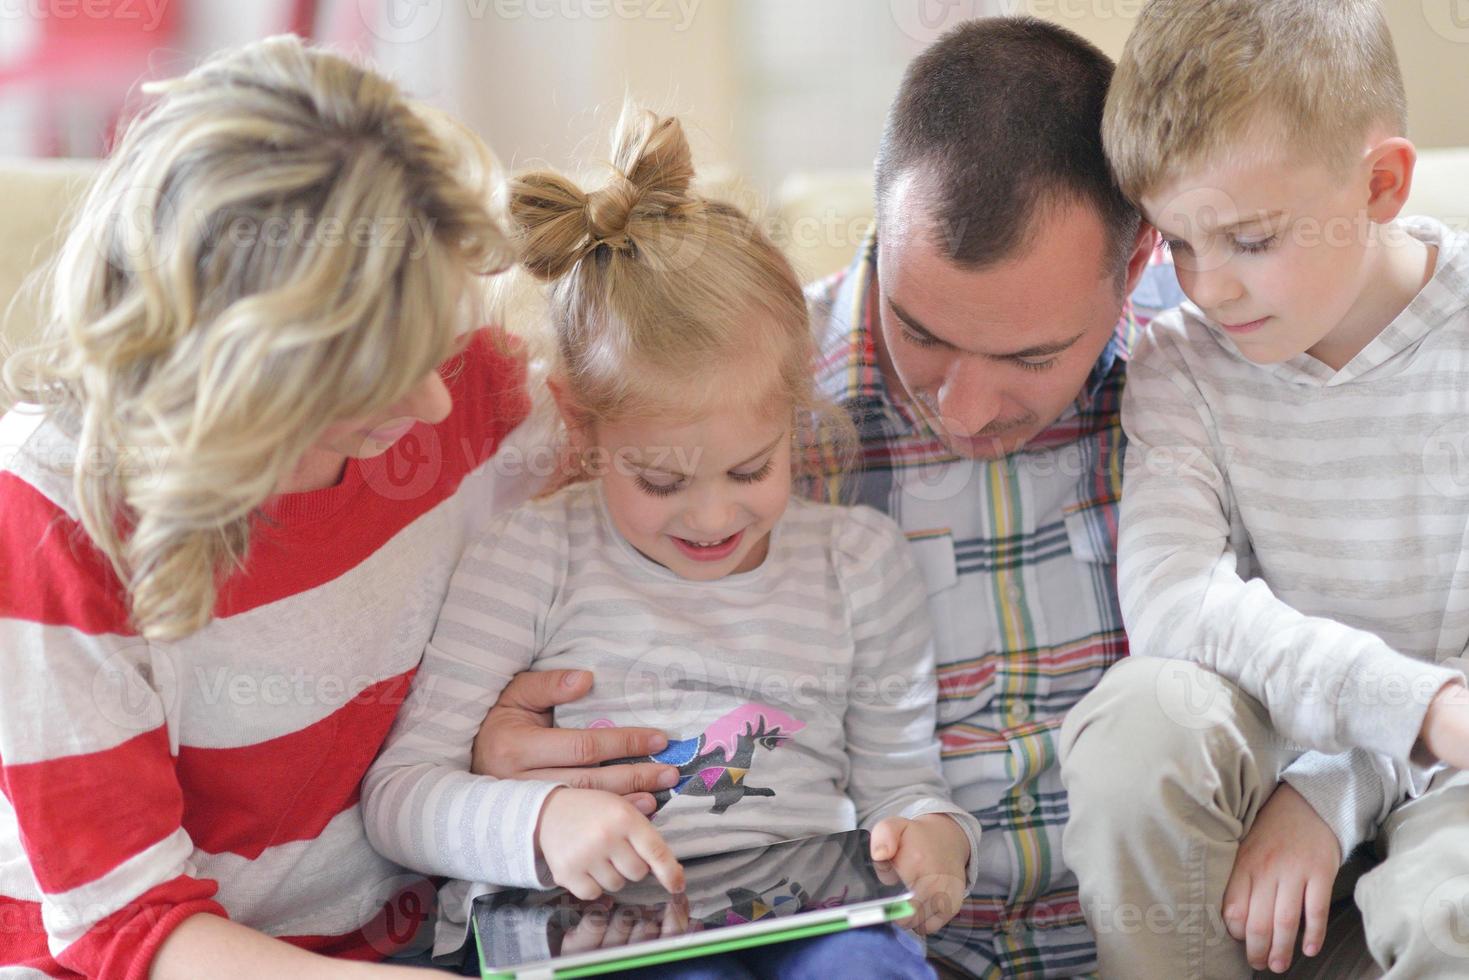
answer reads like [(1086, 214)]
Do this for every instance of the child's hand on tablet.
[(930, 854), (597, 842)]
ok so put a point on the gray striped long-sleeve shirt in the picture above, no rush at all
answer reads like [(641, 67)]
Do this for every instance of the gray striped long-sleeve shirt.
[(1302, 531), (800, 696)]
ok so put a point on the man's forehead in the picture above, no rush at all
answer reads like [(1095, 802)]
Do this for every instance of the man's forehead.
[(1024, 300), (1027, 329)]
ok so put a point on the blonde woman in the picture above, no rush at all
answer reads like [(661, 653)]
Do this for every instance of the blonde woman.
[(262, 441), (784, 645)]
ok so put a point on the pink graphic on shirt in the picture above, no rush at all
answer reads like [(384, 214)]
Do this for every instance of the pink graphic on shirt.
[(715, 762)]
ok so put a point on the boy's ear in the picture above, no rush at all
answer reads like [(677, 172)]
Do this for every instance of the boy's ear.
[(1142, 251), (1390, 164)]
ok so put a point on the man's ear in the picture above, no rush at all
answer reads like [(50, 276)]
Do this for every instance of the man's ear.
[(1143, 247), (1390, 164)]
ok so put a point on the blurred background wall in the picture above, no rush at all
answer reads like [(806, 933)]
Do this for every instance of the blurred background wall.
[(769, 88)]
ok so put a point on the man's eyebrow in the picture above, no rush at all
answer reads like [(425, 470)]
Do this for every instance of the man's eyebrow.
[(913, 325), (1037, 350), (1043, 350)]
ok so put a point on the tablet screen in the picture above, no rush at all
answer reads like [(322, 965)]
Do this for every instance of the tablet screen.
[(518, 927)]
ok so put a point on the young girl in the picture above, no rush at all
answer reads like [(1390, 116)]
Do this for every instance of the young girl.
[(226, 531), (783, 645)]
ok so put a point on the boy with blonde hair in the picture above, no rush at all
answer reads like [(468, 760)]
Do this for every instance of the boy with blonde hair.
[(1292, 566)]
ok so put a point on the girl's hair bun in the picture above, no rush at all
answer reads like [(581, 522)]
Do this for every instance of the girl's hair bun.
[(559, 223)]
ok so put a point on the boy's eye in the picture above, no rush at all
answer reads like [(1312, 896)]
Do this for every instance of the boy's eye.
[(1254, 246), (659, 489), (1036, 364), (757, 475)]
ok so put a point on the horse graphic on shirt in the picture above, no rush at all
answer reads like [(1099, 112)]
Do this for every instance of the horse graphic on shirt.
[(715, 762)]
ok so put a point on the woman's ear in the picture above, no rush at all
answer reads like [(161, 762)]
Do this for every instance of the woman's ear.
[(1390, 164)]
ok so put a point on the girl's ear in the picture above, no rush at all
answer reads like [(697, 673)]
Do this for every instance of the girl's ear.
[(573, 416)]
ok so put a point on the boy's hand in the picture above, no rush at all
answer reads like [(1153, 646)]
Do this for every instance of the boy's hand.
[(930, 853), (596, 842), (516, 741), (1445, 730), (1287, 862)]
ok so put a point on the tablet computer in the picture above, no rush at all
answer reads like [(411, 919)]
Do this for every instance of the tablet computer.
[(735, 900)]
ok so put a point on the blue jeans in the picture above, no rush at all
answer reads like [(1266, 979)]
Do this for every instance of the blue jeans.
[(424, 959), (877, 952)]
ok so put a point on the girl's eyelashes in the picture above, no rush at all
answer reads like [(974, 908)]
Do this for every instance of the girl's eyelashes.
[(1037, 365), (757, 475), (667, 489), (657, 489)]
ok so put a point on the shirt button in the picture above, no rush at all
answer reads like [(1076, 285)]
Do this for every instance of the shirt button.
[(1026, 804), (1013, 592), (1019, 711)]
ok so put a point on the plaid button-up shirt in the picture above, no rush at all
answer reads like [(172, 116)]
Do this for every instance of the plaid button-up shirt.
[(1019, 558)]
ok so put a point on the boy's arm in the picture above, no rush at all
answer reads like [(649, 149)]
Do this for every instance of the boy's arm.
[(892, 697), (1353, 792), (422, 806), (1326, 685)]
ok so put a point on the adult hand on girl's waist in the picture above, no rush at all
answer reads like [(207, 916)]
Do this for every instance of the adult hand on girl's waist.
[(517, 741)]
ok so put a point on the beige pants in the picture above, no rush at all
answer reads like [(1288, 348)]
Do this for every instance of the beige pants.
[(1166, 766)]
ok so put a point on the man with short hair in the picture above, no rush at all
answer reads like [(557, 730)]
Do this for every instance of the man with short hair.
[(979, 342)]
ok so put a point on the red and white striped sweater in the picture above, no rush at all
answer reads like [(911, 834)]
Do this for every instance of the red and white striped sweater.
[(145, 783)]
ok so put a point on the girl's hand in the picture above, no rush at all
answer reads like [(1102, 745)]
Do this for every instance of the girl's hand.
[(596, 842), (930, 854), (1287, 862)]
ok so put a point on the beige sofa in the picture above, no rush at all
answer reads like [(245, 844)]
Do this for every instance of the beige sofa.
[(818, 217)]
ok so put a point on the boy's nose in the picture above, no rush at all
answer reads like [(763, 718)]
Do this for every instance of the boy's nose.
[(1213, 288)]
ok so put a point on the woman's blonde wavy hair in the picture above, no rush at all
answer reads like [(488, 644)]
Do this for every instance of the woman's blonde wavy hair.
[(280, 242), (663, 302)]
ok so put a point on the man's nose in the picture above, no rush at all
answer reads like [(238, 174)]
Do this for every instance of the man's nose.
[(968, 399)]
